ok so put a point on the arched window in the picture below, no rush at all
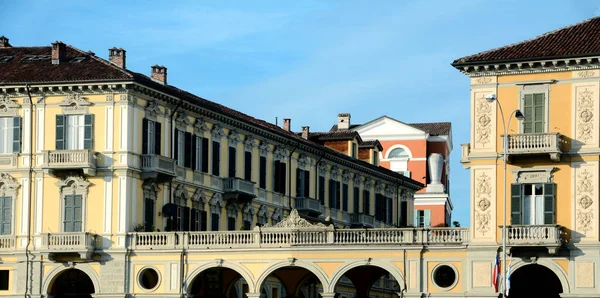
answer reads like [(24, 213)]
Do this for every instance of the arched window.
[(399, 153)]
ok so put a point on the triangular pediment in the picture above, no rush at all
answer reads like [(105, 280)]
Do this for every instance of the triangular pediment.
[(387, 127)]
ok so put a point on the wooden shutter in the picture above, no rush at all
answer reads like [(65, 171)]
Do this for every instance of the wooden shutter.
[(68, 215), (205, 155), (345, 197), (366, 202), (248, 165), (299, 180), (549, 204), (144, 136), (193, 153), (516, 204), (416, 218), (331, 193), (214, 222), (187, 156), (6, 213), (60, 131), (216, 159), (276, 176), (539, 111), (263, 173), (88, 131), (176, 146), (231, 223), (186, 218), (77, 214), (356, 200), (149, 214), (16, 135), (338, 195), (322, 190), (232, 161), (306, 183), (203, 220), (427, 218), (157, 137), (283, 178)]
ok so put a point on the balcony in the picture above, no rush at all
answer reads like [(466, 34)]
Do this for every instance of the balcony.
[(308, 206), (64, 160), (157, 167), (362, 220), (536, 144), (238, 189), (82, 243), (8, 243), (548, 236)]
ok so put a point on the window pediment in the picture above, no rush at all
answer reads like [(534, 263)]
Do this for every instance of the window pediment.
[(537, 175), (74, 185), (75, 104), (8, 185), (8, 107)]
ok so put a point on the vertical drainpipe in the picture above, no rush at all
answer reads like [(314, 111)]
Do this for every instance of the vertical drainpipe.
[(27, 252)]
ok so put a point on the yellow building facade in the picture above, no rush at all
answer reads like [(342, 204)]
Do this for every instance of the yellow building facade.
[(117, 184), (552, 160)]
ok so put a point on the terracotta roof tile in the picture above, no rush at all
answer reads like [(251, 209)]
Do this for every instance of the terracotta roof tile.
[(434, 128), (581, 39)]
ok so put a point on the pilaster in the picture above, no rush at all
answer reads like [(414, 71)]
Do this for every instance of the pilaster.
[(484, 204)]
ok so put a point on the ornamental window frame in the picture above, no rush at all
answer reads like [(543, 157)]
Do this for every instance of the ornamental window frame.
[(8, 188), (73, 185), (542, 87)]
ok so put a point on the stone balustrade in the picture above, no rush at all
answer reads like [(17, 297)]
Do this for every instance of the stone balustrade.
[(549, 236), (7, 243), (70, 159), (362, 219), (80, 242), (285, 237), (307, 204), (155, 164), (536, 143)]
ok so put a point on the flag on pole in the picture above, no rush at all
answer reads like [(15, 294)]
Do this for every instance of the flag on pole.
[(496, 273), (507, 280)]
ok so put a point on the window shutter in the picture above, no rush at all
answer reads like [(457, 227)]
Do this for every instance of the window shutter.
[(427, 220), (187, 156), (276, 176), (248, 165), (144, 136), (203, 221), (366, 202), (356, 200), (416, 218), (149, 215), (283, 178), (176, 145), (516, 204), (157, 137), (186, 218), (322, 190), (88, 131), (214, 222), (263, 173), (6, 215), (549, 204), (539, 101), (193, 163), (306, 183), (331, 193), (345, 197), (299, 180), (60, 132), (205, 155), (216, 159), (338, 195), (232, 161), (16, 134), (68, 216)]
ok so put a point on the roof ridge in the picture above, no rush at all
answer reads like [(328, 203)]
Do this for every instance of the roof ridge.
[(101, 60), (460, 60)]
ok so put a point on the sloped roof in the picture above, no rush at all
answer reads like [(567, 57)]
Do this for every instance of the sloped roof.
[(371, 144), (432, 128), (578, 40), (338, 135)]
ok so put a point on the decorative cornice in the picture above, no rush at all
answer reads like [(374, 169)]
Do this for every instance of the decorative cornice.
[(523, 67), (73, 185)]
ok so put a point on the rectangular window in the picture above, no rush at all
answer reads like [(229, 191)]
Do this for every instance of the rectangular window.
[(6, 215), (196, 219), (74, 132), (230, 223), (4, 278), (216, 158), (151, 137), (302, 183), (203, 220), (10, 135), (534, 107), (214, 222), (262, 178), (322, 190), (533, 204), (248, 165), (345, 197), (356, 199), (247, 225), (374, 157), (422, 218), (232, 161), (404, 212), (366, 202), (188, 150), (72, 220), (204, 155), (148, 215), (279, 177)]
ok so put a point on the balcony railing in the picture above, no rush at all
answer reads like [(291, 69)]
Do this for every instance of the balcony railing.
[(305, 204), (238, 188), (8, 243), (71, 159), (288, 237), (360, 219), (79, 242), (536, 143), (155, 165), (549, 236)]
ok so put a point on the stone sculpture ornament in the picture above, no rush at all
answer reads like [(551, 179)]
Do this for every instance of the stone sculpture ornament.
[(585, 115), (585, 192), (294, 221)]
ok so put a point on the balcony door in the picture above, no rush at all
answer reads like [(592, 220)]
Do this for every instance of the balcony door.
[(533, 204)]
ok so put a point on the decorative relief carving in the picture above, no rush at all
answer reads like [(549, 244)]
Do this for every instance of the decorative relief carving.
[(323, 168), (249, 142), (8, 107), (585, 115), (182, 121), (483, 192), (200, 127), (234, 137), (264, 148), (150, 189), (335, 173), (389, 192), (378, 187), (280, 153), (75, 104), (8, 185), (357, 180), (537, 175), (152, 109), (277, 215), (110, 97), (294, 221), (181, 195), (199, 199), (73, 185), (217, 132), (585, 193), (248, 212), (216, 203), (483, 80), (302, 161), (346, 176), (483, 124), (586, 73)]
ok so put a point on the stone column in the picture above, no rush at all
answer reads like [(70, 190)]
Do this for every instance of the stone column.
[(327, 295)]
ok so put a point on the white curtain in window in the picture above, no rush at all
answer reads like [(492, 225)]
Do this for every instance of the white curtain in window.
[(6, 135), (75, 127)]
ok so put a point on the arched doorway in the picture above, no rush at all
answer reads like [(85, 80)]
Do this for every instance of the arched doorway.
[(368, 281), (72, 283), (218, 283), (534, 281), (292, 282)]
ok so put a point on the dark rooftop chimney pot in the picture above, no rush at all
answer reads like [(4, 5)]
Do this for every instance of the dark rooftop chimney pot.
[(117, 57), (159, 74), (287, 123), (4, 42), (305, 132), (59, 52)]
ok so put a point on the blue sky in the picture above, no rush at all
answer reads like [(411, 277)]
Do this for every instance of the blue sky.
[(305, 60)]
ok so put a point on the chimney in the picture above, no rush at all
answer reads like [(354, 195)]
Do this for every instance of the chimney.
[(305, 132), (287, 123), (59, 52), (117, 57), (4, 42), (343, 121), (159, 73)]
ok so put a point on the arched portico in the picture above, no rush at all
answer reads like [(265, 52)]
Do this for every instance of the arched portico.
[(292, 264), (358, 272), (387, 266), (242, 271), (550, 265), (55, 273)]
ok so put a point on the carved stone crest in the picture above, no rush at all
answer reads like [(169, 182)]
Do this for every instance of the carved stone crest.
[(585, 202), (200, 126), (75, 104), (249, 142), (217, 132), (346, 176), (182, 121), (264, 149), (335, 173), (8, 107), (152, 109), (234, 137), (294, 221), (280, 153)]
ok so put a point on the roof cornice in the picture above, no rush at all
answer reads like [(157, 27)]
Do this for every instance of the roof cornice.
[(494, 68)]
